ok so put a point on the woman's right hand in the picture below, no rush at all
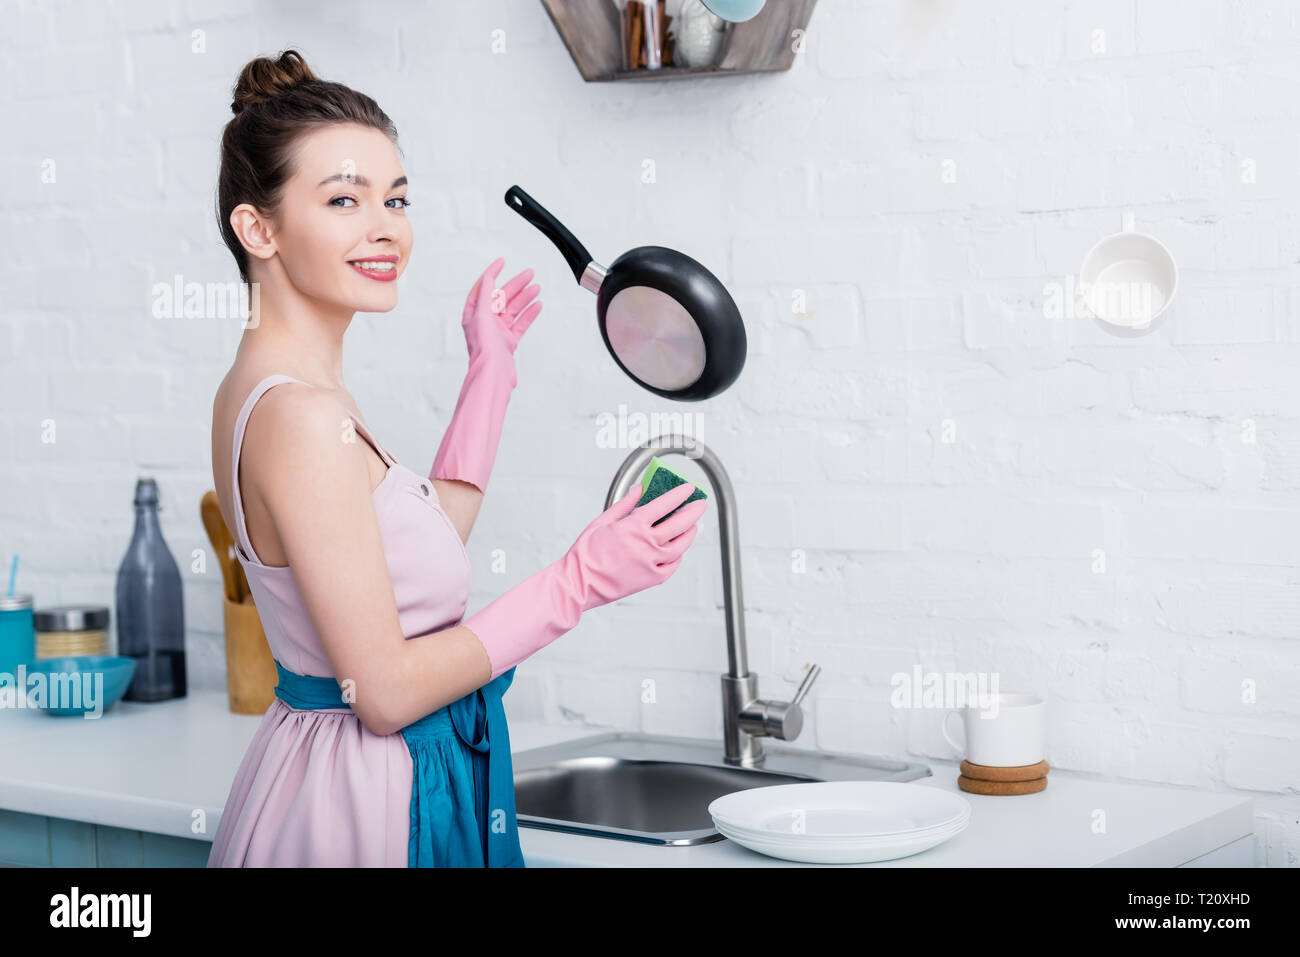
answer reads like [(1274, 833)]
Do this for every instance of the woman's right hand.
[(623, 552)]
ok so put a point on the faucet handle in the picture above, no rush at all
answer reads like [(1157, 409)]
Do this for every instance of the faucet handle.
[(779, 719), (813, 671)]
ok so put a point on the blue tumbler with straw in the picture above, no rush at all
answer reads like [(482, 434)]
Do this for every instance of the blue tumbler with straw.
[(17, 631)]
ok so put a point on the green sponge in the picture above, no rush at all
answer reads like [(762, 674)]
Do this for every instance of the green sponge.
[(659, 478)]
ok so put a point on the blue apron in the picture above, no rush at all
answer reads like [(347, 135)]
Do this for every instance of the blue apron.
[(462, 812)]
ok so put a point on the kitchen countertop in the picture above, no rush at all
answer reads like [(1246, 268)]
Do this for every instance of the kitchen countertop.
[(155, 767)]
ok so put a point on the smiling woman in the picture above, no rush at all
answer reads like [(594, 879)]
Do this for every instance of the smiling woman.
[(305, 190), (263, 145), (386, 743), (312, 205)]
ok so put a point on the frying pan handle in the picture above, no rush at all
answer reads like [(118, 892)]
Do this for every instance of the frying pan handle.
[(575, 254)]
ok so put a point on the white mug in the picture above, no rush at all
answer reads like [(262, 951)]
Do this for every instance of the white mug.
[(1010, 734), (1128, 280)]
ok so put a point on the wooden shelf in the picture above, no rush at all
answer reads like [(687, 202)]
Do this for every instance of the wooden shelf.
[(592, 33)]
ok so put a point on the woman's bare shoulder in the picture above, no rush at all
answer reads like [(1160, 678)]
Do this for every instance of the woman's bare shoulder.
[(296, 419), (290, 420)]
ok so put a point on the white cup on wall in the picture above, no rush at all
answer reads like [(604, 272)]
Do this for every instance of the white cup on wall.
[(1127, 280), (1011, 733)]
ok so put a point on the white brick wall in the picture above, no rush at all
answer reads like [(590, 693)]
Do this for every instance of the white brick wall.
[(924, 315)]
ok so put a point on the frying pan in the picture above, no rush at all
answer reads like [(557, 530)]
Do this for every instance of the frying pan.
[(667, 321)]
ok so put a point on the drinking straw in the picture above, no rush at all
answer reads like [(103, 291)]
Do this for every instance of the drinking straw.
[(13, 573)]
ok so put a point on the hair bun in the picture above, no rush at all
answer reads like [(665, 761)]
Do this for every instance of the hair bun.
[(263, 78)]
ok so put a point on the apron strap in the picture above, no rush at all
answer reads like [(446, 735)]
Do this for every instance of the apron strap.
[(498, 825)]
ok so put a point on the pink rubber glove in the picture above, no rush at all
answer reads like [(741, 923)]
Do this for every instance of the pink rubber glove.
[(620, 553), (494, 320)]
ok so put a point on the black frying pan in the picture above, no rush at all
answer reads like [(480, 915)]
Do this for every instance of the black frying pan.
[(667, 321)]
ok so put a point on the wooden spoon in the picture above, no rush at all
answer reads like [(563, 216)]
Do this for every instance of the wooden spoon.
[(231, 574)]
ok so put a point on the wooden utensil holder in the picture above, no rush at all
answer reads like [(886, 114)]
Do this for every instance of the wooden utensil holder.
[(250, 670)]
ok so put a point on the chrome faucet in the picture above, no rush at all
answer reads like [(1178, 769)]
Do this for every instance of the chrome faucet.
[(746, 718)]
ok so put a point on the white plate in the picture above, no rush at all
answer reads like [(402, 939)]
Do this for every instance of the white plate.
[(839, 810), (845, 851), (791, 836)]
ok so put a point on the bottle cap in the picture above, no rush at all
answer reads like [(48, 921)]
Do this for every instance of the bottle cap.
[(146, 492)]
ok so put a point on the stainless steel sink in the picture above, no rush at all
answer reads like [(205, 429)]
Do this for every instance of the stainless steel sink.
[(657, 790)]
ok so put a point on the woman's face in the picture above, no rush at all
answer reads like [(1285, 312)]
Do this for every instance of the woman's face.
[(345, 205)]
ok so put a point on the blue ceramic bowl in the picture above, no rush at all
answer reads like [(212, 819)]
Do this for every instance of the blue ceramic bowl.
[(83, 672)]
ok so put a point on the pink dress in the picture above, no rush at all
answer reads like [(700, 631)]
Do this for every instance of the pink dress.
[(316, 788)]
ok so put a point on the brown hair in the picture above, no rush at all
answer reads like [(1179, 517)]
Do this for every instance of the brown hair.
[(275, 102)]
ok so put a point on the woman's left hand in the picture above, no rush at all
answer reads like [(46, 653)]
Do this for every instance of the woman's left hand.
[(495, 319)]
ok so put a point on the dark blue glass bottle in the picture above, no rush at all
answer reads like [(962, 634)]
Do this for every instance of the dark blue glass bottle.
[(150, 609)]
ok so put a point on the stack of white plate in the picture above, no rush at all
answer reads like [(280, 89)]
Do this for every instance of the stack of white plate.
[(840, 822)]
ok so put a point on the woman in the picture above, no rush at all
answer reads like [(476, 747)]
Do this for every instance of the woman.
[(386, 743)]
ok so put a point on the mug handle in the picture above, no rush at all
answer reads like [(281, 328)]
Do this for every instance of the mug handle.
[(947, 737)]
